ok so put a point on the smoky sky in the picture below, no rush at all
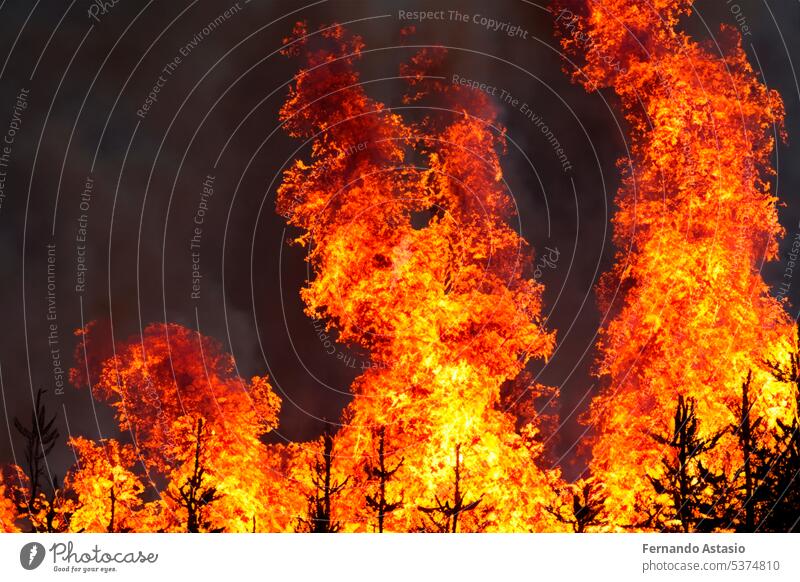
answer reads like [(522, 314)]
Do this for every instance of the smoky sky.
[(132, 107)]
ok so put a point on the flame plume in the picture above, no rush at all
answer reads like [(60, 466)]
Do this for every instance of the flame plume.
[(446, 311), (161, 386), (696, 220)]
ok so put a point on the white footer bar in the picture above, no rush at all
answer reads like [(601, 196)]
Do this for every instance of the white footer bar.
[(388, 557)]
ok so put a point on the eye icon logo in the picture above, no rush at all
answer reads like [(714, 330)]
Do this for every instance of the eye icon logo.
[(31, 555)]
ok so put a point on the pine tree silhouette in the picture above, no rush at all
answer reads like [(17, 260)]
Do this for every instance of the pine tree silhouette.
[(780, 492), (586, 509), (444, 515), (43, 507), (194, 495), (319, 518), (696, 495), (382, 474), (755, 472)]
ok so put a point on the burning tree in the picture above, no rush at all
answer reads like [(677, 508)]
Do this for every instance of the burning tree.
[(446, 307), (444, 515), (779, 472), (689, 496), (689, 312), (319, 518), (107, 490), (581, 505), (380, 472), (44, 506), (754, 473), (168, 382), (191, 488)]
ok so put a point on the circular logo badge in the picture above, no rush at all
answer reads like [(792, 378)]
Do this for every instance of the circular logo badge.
[(31, 555)]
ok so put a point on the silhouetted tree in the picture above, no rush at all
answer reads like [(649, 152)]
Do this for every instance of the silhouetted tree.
[(697, 496), (382, 474), (44, 507), (780, 490), (586, 507), (444, 515), (320, 518), (755, 470), (194, 495)]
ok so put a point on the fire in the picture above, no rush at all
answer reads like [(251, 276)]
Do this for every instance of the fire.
[(162, 387), (8, 512), (447, 310), (107, 489), (406, 218), (691, 312)]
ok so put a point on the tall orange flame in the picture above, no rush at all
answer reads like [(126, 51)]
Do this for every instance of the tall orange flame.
[(696, 220), (446, 309)]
